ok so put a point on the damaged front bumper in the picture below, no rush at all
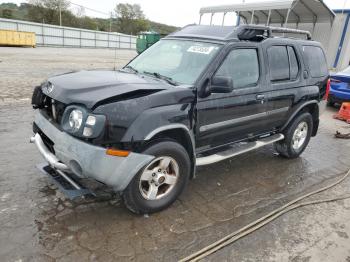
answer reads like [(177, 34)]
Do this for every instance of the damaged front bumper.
[(73, 156)]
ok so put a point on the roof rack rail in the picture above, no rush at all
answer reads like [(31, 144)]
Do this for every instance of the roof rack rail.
[(247, 32)]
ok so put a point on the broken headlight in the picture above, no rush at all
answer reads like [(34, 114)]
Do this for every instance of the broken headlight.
[(75, 119), (79, 122)]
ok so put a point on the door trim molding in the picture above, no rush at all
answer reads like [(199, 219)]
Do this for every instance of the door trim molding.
[(242, 119)]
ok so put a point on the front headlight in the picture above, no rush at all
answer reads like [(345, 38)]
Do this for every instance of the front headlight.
[(75, 119), (78, 121)]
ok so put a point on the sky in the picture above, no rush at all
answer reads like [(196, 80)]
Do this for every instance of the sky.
[(175, 12)]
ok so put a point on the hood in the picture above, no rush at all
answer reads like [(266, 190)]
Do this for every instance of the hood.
[(92, 87)]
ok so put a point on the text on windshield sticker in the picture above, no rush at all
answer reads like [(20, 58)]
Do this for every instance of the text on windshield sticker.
[(201, 49)]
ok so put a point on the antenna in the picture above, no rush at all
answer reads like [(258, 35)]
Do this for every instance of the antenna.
[(115, 50)]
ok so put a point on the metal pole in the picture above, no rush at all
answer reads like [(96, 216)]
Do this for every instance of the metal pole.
[(211, 18), (223, 19), (110, 22), (286, 21), (60, 13), (252, 18), (200, 18), (42, 33), (268, 18)]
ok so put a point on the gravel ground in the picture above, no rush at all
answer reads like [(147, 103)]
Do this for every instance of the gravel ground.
[(37, 223), (24, 68)]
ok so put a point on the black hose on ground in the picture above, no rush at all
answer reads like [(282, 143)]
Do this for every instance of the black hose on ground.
[(206, 251)]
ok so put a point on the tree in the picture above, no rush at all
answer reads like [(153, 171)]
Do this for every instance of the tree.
[(7, 13), (131, 19), (48, 11), (51, 4)]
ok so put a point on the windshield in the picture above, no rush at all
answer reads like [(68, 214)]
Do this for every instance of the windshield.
[(178, 60)]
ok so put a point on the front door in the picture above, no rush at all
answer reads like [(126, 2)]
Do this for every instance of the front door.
[(225, 118)]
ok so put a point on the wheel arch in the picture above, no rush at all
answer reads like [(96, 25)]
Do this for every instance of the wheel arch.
[(181, 134), (309, 106)]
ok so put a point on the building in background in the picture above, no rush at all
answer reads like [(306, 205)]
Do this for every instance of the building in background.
[(330, 27)]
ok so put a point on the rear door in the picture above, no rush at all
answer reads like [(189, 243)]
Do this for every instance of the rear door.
[(284, 80), (317, 67), (224, 118)]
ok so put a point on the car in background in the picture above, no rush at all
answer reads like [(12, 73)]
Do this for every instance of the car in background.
[(340, 87)]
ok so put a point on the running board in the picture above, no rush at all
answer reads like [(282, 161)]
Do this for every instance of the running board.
[(237, 149)]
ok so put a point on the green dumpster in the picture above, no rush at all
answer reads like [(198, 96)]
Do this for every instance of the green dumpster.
[(145, 40)]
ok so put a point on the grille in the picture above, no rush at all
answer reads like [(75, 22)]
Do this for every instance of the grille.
[(54, 109)]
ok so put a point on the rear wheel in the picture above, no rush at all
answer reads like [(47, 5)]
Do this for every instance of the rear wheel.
[(297, 136), (161, 181)]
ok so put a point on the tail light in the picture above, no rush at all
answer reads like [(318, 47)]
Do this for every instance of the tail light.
[(327, 89)]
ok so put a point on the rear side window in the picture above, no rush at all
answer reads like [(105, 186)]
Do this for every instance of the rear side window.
[(283, 63), (243, 66), (278, 63), (316, 61), (294, 65)]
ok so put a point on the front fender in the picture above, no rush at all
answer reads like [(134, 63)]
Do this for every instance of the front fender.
[(154, 120)]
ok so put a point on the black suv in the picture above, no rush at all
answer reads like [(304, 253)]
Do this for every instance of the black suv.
[(198, 96)]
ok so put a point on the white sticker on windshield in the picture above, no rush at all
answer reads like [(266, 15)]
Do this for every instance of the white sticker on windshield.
[(201, 49)]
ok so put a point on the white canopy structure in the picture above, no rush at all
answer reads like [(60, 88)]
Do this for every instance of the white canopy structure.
[(330, 27), (275, 12)]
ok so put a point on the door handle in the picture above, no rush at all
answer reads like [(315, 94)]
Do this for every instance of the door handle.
[(305, 74), (260, 97)]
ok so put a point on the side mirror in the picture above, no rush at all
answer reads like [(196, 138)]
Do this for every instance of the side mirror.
[(221, 84)]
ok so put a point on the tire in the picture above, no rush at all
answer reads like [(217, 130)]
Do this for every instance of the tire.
[(139, 195), (288, 147)]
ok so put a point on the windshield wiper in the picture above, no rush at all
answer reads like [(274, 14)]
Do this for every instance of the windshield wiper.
[(131, 69), (163, 77)]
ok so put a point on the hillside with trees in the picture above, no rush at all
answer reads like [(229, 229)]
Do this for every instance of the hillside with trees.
[(126, 18)]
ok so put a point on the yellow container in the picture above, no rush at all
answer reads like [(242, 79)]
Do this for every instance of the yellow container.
[(16, 38)]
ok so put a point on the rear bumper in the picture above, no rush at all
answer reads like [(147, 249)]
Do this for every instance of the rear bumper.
[(85, 160), (338, 96)]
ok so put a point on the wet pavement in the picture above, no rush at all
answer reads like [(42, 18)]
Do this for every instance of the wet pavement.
[(37, 223)]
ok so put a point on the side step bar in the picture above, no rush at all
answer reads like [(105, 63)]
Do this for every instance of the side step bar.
[(238, 149)]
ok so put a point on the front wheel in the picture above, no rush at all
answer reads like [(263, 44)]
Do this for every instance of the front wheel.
[(161, 181), (297, 136)]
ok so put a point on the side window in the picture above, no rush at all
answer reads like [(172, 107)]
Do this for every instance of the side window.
[(316, 61), (278, 63), (243, 66), (294, 65)]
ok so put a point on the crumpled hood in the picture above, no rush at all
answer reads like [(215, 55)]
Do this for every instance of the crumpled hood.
[(91, 87)]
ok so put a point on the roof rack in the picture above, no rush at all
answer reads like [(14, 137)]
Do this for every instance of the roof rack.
[(247, 32)]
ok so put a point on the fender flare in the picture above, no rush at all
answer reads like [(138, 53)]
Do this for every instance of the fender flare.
[(164, 128), (297, 110), (189, 133), (170, 127)]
